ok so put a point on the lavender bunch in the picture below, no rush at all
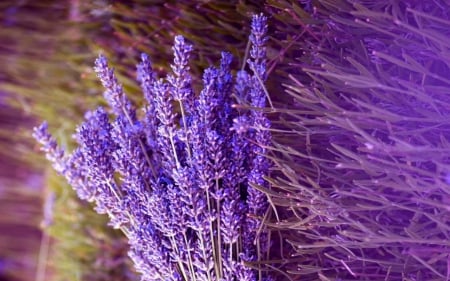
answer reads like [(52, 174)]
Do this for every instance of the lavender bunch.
[(180, 181)]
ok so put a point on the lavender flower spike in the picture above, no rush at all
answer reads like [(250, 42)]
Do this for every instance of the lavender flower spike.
[(257, 202), (180, 82), (147, 78), (114, 94), (67, 166), (50, 147), (258, 59), (181, 79), (258, 39)]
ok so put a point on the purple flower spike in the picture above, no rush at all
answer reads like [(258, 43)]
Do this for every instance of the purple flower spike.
[(146, 77), (113, 94), (71, 167), (181, 79), (50, 147), (258, 50)]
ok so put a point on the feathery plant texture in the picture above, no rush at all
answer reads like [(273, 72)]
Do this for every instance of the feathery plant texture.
[(180, 186), (367, 166)]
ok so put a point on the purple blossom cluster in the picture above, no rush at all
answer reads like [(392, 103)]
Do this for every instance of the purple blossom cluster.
[(182, 181)]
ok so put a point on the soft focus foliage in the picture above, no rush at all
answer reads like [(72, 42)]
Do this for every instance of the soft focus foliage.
[(366, 168)]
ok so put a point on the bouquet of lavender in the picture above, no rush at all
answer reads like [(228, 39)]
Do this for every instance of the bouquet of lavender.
[(179, 179)]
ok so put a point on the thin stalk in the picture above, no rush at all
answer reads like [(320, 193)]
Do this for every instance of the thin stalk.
[(180, 263), (190, 265), (147, 159), (261, 83), (219, 240), (211, 233), (183, 117), (132, 219), (202, 242), (247, 50), (172, 143)]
